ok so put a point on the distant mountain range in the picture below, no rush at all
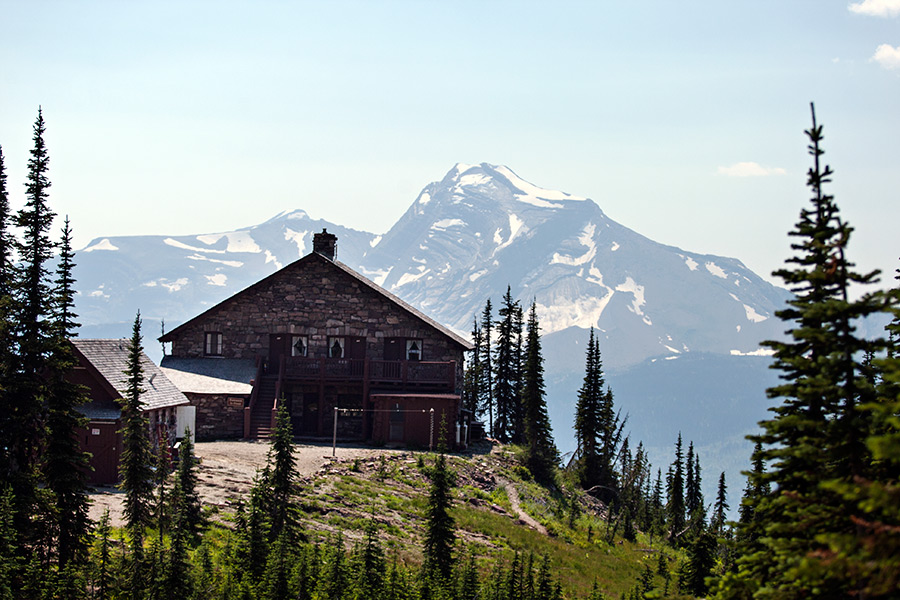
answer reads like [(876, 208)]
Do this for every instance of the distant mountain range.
[(665, 315)]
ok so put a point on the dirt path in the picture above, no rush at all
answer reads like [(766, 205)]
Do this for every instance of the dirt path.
[(513, 496), (227, 469)]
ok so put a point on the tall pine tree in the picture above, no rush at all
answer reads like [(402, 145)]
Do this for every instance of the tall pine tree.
[(541, 453), (136, 462), (818, 432), (65, 465), (506, 383), (26, 389), (486, 367)]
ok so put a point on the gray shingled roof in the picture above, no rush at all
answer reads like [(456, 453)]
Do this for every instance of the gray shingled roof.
[(210, 375), (110, 358)]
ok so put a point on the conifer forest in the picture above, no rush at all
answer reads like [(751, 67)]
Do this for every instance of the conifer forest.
[(817, 517)]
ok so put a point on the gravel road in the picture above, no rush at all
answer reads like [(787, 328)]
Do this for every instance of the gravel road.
[(227, 469)]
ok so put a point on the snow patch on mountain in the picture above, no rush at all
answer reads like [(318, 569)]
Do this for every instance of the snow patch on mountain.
[(532, 194), (759, 352), (754, 316), (411, 277), (297, 237), (715, 270), (474, 276), (473, 180), (516, 226), (182, 246), (375, 241), (615, 246), (271, 258), (595, 277), (227, 263), (424, 198), (103, 244), (638, 292), (444, 224), (377, 275), (581, 312), (587, 239), (690, 262), (238, 241)]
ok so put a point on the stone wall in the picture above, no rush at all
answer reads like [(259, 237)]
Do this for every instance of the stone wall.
[(316, 298), (219, 416)]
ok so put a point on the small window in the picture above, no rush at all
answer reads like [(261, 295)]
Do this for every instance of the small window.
[(299, 345), (336, 347), (413, 349), (212, 345)]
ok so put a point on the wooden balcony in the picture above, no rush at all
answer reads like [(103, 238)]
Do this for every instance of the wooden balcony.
[(392, 373)]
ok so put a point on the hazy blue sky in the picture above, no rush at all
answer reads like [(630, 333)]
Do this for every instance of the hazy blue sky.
[(197, 117)]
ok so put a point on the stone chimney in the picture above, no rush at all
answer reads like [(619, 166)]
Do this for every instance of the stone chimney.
[(325, 244)]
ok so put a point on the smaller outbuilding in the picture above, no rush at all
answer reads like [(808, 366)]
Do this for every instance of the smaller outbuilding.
[(101, 369)]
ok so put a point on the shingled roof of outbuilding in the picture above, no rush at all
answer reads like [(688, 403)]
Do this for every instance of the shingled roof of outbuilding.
[(110, 360), (466, 345)]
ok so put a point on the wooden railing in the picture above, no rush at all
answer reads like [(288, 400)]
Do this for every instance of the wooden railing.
[(278, 386), (248, 410), (375, 371)]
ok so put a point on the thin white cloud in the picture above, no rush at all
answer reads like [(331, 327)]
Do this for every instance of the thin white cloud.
[(887, 56), (750, 169), (876, 8)]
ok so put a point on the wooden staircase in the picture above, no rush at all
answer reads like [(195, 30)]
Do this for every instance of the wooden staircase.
[(261, 416)]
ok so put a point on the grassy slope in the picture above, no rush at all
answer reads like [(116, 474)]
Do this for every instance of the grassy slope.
[(393, 491)]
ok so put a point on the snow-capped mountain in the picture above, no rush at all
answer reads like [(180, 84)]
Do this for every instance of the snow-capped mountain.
[(464, 239), (482, 227)]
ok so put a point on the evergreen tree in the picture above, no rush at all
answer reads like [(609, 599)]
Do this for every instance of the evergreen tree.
[(675, 506), (333, 576), (283, 479), (368, 566), (26, 388), (486, 367), (598, 429), (691, 486), (541, 453), (9, 561), (817, 434), (473, 378), (440, 532), (517, 409), (701, 558), (717, 525), (135, 465), (65, 465), (467, 581), (657, 509), (186, 511), (6, 240), (277, 574), (506, 384), (102, 569)]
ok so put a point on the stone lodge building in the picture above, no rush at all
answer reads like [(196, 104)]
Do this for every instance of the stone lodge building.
[(317, 336)]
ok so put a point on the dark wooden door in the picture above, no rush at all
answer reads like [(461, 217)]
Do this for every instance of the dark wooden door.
[(101, 440), (356, 352), (394, 349), (279, 345)]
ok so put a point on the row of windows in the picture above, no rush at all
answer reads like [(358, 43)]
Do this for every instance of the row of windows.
[(395, 348)]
